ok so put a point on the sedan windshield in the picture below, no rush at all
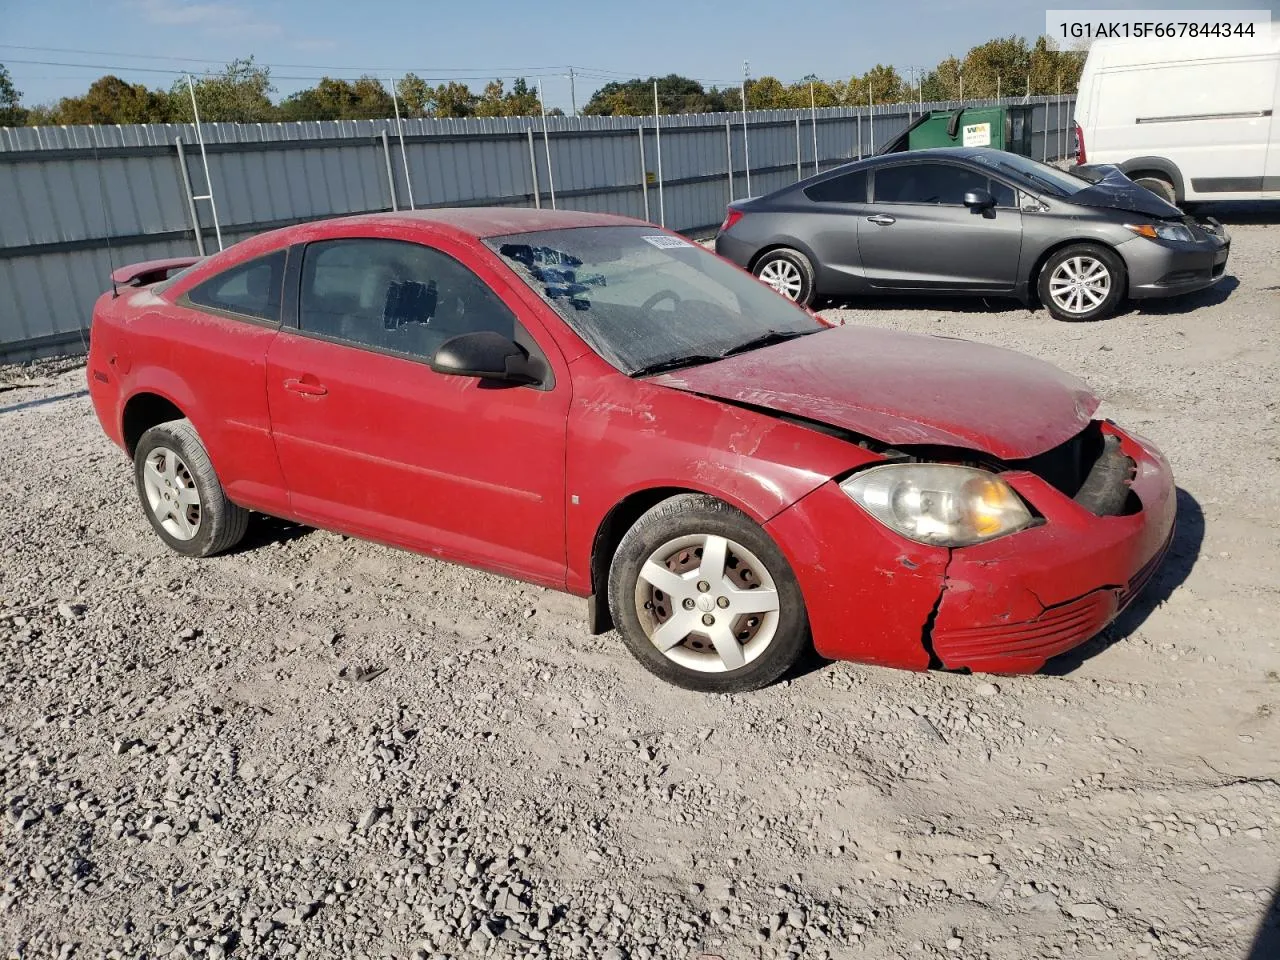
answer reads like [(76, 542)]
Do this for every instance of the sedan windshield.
[(648, 301), (1032, 173)]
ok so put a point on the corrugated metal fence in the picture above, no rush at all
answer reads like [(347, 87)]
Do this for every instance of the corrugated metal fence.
[(64, 191)]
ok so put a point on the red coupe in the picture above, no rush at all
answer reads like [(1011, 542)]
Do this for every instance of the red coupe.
[(596, 405)]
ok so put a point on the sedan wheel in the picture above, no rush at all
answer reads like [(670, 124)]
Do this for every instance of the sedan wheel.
[(171, 493), (789, 272), (705, 599), (1079, 285), (181, 495), (1082, 282), (707, 603), (783, 276)]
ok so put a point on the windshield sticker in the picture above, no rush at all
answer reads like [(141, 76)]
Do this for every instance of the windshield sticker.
[(664, 242)]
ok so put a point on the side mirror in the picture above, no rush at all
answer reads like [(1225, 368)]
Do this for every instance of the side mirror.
[(979, 200), (488, 356)]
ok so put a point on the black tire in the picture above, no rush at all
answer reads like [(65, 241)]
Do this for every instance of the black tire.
[(1083, 252), (1158, 185), (219, 523), (689, 515), (786, 256)]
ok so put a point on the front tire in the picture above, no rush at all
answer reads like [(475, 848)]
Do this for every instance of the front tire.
[(1082, 282), (789, 272), (181, 495), (704, 598)]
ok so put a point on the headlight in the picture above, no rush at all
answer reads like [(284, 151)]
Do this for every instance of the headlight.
[(939, 504), (1163, 231)]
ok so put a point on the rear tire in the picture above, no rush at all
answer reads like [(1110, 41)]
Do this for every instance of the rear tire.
[(705, 600), (1161, 187), (181, 494), (1082, 282), (789, 272)]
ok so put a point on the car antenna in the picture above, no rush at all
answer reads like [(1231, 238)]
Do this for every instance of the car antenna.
[(106, 217)]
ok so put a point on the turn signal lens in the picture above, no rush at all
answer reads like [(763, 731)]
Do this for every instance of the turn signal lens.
[(940, 504), (1163, 231)]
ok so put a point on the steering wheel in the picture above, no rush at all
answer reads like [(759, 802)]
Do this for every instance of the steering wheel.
[(658, 297)]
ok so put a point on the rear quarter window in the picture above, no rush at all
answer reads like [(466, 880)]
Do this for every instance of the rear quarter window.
[(250, 289), (849, 188)]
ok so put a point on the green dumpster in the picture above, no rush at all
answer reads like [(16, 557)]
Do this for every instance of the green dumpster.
[(1001, 128)]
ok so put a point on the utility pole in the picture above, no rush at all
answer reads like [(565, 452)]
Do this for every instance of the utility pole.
[(573, 94)]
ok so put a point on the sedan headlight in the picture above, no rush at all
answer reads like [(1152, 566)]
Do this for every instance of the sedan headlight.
[(939, 504), (1163, 231)]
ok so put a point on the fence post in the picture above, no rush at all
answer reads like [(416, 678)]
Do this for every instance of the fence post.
[(546, 144), (799, 174), (404, 156), (644, 173), (657, 135), (728, 151), (191, 204), (533, 167), (391, 180), (813, 121)]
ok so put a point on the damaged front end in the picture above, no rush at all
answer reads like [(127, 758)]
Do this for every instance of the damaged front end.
[(1102, 506)]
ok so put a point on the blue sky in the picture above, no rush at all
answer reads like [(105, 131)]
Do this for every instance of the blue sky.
[(477, 40)]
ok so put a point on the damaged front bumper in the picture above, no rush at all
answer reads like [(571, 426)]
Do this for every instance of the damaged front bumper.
[(1005, 606)]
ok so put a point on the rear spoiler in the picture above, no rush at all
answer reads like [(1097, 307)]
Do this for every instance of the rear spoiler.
[(150, 271)]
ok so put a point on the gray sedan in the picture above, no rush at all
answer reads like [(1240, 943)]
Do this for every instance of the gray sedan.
[(978, 222)]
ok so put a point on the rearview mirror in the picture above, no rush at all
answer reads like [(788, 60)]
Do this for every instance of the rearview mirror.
[(978, 199), (488, 356)]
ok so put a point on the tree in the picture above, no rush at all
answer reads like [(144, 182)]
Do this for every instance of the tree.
[(676, 94), (824, 94), (453, 99), (768, 93), (12, 113), (944, 82), (239, 94), (997, 68), (415, 95), (522, 101), (881, 83), (112, 100)]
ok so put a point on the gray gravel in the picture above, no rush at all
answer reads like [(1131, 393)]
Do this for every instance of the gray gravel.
[(318, 747)]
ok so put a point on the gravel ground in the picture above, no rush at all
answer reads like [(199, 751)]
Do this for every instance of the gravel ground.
[(318, 747)]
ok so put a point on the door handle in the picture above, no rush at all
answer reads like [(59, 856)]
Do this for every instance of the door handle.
[(882, 219), (308, 388)]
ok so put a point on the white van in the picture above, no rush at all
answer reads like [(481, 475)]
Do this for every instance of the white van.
[(1190, 119)]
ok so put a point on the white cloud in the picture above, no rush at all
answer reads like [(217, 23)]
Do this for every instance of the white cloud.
[(209, 16)]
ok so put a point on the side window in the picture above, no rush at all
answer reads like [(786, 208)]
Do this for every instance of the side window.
[(251, 289), (927, 183), (1005, 195), (850, 188), (394, 295)]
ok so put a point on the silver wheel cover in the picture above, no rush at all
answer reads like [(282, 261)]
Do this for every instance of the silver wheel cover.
[(171, 493), (707, 603)]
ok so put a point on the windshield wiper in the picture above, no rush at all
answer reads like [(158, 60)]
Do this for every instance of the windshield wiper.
[(674, 363), (766, 340)]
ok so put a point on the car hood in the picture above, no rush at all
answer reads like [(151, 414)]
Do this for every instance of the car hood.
[(1115, 191), (904, 389)]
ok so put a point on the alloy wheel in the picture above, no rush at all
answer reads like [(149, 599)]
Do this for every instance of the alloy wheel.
[(707, 603), (784, 276), (1080, 284), (171, 492)]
